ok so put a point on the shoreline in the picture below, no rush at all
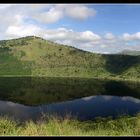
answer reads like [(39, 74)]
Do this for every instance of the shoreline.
[(100, 78)]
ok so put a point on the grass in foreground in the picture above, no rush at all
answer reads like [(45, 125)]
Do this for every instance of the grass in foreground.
[(123, 126)]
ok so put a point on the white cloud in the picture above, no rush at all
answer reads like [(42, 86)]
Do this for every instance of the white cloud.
[(109, 36), (63, 34), (46, 13), (80, 12), (136, 35), (88, 36), (128, 37), (103, 45), (21, 29), (51, 16), (56, 12), (70, 37)]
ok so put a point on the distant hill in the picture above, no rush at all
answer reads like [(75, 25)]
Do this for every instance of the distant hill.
[(38, 57), (130, 52)]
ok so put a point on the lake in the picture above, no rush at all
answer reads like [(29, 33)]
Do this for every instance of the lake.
[(29, 98)]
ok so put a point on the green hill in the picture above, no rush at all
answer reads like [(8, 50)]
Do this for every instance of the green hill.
[(38, 57), (130, 52)]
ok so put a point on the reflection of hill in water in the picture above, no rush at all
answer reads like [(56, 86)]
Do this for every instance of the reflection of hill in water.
[(35, 91), (86, 108)]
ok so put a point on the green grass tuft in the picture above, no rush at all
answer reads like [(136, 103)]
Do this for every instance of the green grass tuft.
[(56, 126)]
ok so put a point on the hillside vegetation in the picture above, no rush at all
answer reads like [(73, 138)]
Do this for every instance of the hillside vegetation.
[(34, 56)]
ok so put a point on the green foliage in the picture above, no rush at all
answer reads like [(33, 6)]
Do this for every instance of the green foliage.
[(38, 57), (56, 126)]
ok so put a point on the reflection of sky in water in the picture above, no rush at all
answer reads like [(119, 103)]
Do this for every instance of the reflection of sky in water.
[(84, 108)]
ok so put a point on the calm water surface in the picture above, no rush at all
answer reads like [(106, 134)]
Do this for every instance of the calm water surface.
[(84, 99)]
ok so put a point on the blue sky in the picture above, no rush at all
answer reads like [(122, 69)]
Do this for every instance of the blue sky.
[(103, 28), (116, 18)]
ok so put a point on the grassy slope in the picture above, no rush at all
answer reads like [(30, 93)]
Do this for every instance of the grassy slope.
[(50, 126), (38, 57)]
